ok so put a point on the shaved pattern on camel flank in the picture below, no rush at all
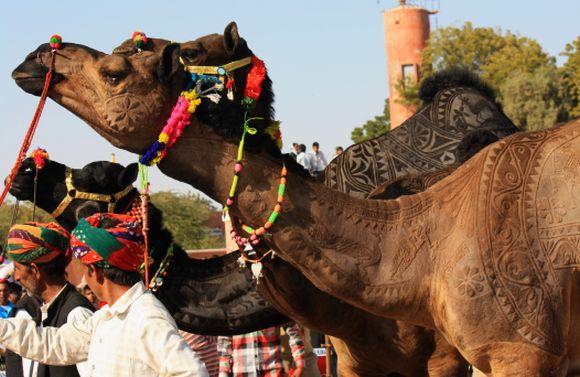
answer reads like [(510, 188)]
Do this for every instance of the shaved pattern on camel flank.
[(522, 273), (422, 143), (558, 226)]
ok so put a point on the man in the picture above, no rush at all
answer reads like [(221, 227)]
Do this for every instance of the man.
[(259, 353), (14, 292), (302, 158), (317, 160), (5, 304), (133, 335), (294, 150), (39, 254), (337, 152)]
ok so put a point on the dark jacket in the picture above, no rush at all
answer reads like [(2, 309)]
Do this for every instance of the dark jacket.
[(58, 312)]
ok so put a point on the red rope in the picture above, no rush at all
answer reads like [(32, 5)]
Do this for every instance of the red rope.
[(31, 130)]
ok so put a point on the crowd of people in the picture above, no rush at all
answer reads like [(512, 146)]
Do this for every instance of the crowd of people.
[(315, 162), (111, 325)]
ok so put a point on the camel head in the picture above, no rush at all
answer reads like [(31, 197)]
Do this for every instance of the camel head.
[(127, 96), (100, 177), (123, 96)]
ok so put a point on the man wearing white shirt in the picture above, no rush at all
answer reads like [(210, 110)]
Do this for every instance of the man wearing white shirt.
[(317, 159), (38, 252), (133, 335), (302, 158)]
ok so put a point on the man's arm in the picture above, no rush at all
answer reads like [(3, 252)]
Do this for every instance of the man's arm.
[(79, 315), (65, 345), (225, 351), (166, 352), (296, 341)]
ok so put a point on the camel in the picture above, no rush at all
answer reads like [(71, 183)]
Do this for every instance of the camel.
[(370, 345), (217, 297), (419, 258)]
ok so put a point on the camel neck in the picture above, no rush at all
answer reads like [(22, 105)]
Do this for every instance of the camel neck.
[(366, 250)]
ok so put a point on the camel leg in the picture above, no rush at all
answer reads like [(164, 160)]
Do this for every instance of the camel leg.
[(525, 361)]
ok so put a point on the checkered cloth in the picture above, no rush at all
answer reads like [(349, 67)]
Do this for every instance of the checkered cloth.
[(259, 353)]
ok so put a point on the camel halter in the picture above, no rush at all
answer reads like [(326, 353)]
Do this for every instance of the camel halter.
[(73, 193), (55, 44)]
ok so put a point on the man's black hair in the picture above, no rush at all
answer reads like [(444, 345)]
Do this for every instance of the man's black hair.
[(315, 144), (121, 277)]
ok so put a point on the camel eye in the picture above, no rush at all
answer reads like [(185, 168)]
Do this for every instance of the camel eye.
[(191, 54), (114, 77)]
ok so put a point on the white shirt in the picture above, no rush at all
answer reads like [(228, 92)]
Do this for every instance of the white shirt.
[(134, 337), (303, 159), (317, 161)]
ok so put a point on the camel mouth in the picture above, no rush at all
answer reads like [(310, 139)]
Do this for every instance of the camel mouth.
[(20, 191), (30, 76)]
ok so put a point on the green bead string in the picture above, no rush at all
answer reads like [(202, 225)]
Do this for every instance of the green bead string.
[(240, 156)]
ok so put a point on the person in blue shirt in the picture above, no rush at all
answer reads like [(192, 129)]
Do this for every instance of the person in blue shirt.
[(5, 305)]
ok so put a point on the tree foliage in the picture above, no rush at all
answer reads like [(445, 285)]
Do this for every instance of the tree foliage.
[(185, 215), (571, 74), (378, 126), (523, 93), (23, 214), (507, 62)]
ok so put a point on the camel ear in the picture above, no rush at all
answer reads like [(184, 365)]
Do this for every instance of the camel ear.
[(129, 175), (169, 63), (231, 38)]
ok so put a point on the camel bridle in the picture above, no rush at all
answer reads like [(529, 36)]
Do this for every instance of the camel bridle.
[(72, 193)]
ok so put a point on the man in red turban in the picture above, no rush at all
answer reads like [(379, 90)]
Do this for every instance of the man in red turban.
[(134, 335), (40, 253)]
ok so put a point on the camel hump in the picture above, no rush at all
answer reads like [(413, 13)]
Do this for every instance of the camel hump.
[(450, 78)]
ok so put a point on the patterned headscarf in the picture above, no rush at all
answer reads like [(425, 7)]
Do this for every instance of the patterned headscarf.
[(36, 242), (107, 239)]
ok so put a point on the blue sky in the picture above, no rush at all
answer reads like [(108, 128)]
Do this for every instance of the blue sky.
[(326, 58)]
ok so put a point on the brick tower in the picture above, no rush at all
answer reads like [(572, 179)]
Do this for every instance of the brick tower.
[(406, 32)]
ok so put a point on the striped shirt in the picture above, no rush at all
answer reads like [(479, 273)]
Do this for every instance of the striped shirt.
[(259, 353), (206, 348)]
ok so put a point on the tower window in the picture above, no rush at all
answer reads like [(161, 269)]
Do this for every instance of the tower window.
[(408, 73)]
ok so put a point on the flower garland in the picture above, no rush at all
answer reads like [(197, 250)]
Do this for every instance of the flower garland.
[(179, 119), (256, 76)]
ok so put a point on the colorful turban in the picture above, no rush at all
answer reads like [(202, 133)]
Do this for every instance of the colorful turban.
[(36, 242), (107, 239)]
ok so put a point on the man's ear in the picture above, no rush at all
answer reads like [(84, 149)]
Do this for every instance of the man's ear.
[(35, 270), (99, 274)]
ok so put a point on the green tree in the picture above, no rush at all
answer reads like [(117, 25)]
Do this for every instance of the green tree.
[(525, 90), (499, 57), (185, 215), (378, 126), (571, 73), (24, 214)]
